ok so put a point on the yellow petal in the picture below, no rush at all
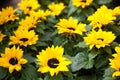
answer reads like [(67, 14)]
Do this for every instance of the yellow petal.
[(11, 68)]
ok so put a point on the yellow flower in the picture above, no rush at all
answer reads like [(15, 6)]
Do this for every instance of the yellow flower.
[(1, 36), (56, 9), (12, 59), (116, 11), (70, 26), (40, 14), (82, 3), (29, 22), (28, 5), (99, 38), (101, 17), (52, 60), (115, 62), (23, 37), (7, 14), (2, 19)]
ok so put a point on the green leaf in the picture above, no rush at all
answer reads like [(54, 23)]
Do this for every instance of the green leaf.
[(48, 77), (103, 1), (108, 74), (88, 11), (87, 77), (3, 73), (29, 57), (60, 41), (41, 43), (83, 60), (28, 72), (108, 50), (68, 75), (71, 10), (100, 61), (58, 77), (33, 47), (81, 45)]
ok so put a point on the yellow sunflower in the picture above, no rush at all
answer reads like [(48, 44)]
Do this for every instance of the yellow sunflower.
[(82, 3), (29, 22), (41, 14), (2, 19), (99, 38), (56, 9), (52, 60), (101, 17), (12, 59), (1, 36), (28, 5), (70, 26), (116, 11), (7, 14), (115, 62), (23, 37)]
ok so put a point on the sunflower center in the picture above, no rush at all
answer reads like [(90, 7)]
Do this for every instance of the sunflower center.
[(24, 39), (13, 61), (71, 29), (100, 39), (32, 28), (53, 63), (29, 7), (83, 0)]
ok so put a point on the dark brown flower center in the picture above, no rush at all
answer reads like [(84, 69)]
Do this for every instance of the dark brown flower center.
[(24, 39), (32, 28), (29, 7), (83, 0), (13, 61), (100, 39), (71, 29), (53, 63)]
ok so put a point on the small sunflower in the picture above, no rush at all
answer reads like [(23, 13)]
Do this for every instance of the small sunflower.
[(52, 60), (23, 37), (1, 36), (70, 26), (12, 59), (28, 5), (7, 14), (56, 9), (101, 17), (29, 22), (116, 11), (41, 14), (82, 3), (115, 62), (99, 38)]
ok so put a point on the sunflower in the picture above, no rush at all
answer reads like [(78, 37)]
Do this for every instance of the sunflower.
[(29, 22), (115, 62), (56, 9), (7, 14), (12, 59), (52, 60), (23, 37), (70, 26), (99, 38), (1, 36), (116, 11), (101, 17), (28, 5), (82, 3), (41, 14)]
